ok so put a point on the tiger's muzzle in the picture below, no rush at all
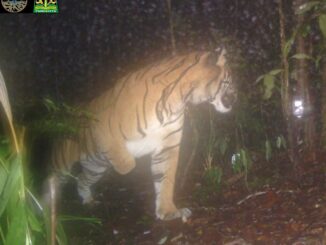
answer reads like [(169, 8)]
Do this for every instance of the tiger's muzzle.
[(224, 101)]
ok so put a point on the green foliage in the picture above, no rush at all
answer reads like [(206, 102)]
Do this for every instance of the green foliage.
[(315, 10), (269, 82), (312, 10), (268, 150), (241, 161), (233, 143), (322, 24), (225, 136), (302, 57), (212, 174), (60, 119), (19, 222), (307, 7), (288, 46), (280, 142), (213, 177), (18, 219), (22, 218)]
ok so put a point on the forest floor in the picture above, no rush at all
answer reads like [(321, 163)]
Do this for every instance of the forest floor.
[(272, 207)]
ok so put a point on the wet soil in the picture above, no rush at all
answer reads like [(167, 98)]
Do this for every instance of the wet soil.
[(271, 207)]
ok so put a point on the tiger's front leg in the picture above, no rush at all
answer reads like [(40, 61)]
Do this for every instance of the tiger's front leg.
[(93, 168), (164, 167)]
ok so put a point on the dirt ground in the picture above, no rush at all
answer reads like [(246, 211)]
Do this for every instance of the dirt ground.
[(274, 208)]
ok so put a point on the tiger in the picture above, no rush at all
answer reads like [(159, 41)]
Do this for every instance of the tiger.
[(143, 114)]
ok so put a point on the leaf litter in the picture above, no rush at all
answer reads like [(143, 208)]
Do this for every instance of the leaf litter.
[(288, 211)]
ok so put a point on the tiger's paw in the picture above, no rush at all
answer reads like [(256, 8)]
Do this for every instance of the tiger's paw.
[(183, 213), (86, 195), (92, 203), (87, 200)]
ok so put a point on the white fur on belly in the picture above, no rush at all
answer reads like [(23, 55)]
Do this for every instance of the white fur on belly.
[(145, 146)]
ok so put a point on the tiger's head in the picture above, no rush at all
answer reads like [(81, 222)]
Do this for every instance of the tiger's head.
[(212, 82)]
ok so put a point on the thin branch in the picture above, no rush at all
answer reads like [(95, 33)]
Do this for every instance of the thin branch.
[(53, 196), (251, 196)]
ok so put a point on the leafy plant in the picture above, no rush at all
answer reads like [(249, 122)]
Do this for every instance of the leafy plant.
[(224, 137), (59, 119), (280, 142), (18, 219), (269, 82), (241, 162), (213, 177), (212, 174), (22, 218)]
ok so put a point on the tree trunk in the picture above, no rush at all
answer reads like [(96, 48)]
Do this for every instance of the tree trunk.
[(303, 93), (285, 91), (323, 109)]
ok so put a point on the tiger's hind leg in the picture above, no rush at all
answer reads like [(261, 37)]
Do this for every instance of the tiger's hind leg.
[(164, 167), (93, 168), (122, 161)]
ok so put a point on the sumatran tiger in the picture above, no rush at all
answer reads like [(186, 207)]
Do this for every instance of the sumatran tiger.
[(143, 114)]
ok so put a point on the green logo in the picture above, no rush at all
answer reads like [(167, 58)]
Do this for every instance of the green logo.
[(46, 6)]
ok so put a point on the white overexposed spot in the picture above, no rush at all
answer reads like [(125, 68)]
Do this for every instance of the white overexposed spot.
[(235, 158), (141, 147), (297, 103), (298, 108)]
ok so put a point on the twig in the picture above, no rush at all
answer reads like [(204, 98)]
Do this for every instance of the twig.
[(252, 195), (262, 193), (237, 241)]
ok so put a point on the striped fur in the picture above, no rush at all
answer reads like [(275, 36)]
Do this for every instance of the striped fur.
[(144, 115)]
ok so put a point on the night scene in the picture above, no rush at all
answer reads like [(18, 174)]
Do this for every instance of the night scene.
[(163, 122)]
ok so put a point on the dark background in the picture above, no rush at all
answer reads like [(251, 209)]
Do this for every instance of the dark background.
[(67, 55)]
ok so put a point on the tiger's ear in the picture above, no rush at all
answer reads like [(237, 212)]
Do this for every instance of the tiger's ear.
[(216, 58), (221, 59)]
